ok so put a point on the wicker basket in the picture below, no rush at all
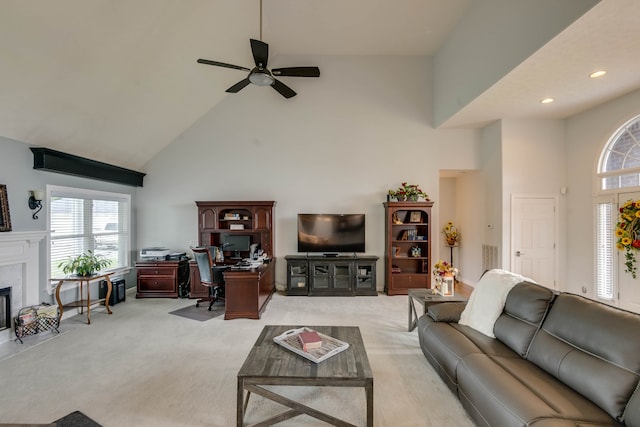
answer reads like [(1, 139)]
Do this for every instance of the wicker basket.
[(34, 319)]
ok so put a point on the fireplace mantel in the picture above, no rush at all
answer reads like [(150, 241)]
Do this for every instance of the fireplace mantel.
[(22, 247)]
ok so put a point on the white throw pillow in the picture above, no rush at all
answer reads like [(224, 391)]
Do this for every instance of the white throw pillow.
[(488, 298)]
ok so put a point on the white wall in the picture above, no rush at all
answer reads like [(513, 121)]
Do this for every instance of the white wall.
[(518, 157), (447, 212), (491, 185), (347, 138), (533, 162), (587, 134), (471, 214)]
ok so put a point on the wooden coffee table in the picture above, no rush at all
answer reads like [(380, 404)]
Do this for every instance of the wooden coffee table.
[(271, 364), (426, 297)]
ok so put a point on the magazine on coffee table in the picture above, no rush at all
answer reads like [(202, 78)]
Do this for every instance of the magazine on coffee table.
[(330, 346)]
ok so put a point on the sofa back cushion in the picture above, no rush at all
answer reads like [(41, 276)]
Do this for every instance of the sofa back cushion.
[(593, 348), (523, 313), (632, 414)]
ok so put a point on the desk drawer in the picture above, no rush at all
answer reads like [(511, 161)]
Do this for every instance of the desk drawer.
[(157, 271), (409, 281), (156, 284)]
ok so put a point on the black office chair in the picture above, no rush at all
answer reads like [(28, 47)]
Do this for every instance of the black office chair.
[(210, 276)]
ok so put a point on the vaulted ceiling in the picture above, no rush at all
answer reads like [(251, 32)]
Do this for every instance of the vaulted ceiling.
[(116, 81)]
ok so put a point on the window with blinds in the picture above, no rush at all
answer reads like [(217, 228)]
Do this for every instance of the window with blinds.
[(82, 220), (604, 240)]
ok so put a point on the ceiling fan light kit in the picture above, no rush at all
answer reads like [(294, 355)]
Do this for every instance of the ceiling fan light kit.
[(260, 75)]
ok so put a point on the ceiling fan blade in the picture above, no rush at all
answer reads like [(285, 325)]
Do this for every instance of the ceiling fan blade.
[(222, 64), (283, 89), (238, 86), (260, 52), (297, 72)]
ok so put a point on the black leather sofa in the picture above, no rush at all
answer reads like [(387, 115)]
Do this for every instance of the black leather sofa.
[(556, 360)]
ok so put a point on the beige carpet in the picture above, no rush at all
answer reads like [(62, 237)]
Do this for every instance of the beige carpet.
[(142, 366)]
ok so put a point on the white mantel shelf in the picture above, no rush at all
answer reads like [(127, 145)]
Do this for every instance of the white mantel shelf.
[(23, 236)]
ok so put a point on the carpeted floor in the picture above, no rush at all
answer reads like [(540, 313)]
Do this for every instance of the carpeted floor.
[(142, 366)]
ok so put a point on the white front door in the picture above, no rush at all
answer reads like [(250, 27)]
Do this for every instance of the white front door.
[(533, 238), (628, 287)]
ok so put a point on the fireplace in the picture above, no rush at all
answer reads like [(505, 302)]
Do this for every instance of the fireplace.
[(20, 271), (5, 308)]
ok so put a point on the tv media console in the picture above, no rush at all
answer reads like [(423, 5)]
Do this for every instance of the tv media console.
[(345, 275)]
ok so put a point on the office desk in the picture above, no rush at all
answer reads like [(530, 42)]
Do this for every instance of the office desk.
[(81, 303), (247, 292)]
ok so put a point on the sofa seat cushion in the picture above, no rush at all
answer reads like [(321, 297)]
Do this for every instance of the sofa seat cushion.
[(445, 344), (509, 391), (594, 349)]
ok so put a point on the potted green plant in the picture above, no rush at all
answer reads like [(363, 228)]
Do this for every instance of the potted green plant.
[(85, 264)]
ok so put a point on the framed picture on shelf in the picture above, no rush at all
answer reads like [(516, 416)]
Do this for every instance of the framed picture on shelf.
[(5, 218), (416, 216)]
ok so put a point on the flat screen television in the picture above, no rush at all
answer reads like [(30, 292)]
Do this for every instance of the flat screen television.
[(331, 233)]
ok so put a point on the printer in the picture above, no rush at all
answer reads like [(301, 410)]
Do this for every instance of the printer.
[(154, 252), (161, 253)]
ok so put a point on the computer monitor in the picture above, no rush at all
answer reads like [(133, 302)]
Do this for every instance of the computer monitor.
[(237, 244)]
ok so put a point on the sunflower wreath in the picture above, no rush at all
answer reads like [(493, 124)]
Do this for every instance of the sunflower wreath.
[(628, 234)]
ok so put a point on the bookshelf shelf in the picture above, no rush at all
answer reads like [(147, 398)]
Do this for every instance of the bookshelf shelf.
[(407, 232)]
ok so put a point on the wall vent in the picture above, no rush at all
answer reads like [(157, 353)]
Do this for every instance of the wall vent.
[(489, 257)]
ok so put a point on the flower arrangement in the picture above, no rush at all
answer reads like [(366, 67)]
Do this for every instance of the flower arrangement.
[(628, 234), (451, 233), (443, 268), (408, 192)]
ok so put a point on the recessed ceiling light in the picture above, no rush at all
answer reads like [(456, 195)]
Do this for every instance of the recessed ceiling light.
[(597, 74), (547, 100)]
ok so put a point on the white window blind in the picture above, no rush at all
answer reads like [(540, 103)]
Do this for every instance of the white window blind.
[(604, 249), (82, 220)]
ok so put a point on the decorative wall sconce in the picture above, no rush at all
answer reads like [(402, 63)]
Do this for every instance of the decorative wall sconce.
[(35, 201)]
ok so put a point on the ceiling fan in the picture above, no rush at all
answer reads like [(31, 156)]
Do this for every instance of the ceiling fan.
[(260, 74)]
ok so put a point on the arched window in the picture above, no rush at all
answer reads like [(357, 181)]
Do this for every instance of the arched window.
[(618, 171), (619, 165)]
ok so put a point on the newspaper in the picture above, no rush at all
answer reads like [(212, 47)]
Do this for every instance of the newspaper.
[(330, 346)]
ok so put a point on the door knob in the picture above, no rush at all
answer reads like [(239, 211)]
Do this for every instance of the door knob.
[(518, 253)]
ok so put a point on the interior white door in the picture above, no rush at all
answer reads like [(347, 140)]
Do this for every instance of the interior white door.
[(628, 287), (533, 238)]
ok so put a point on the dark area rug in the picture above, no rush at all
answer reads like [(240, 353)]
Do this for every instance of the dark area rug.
[(75, 419), (200, 313)]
